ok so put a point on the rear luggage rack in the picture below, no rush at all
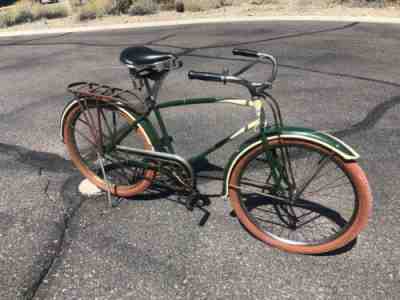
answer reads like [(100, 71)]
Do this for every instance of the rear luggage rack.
[(104, 92)]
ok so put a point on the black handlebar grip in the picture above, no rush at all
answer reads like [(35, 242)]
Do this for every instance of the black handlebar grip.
[(245, 52), (205, 76)]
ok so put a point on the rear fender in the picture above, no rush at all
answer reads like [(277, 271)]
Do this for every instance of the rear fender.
[(150, 132)]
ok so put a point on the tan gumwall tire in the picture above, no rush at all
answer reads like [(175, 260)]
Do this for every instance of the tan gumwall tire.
[(354, 172), (117, 190)]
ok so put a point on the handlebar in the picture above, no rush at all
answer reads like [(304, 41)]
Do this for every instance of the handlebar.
[(206, 76), (253, 87), (262, 57), (245, 52)]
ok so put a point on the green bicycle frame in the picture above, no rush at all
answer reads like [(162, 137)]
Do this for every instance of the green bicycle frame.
[(165, 142), (262, 135)]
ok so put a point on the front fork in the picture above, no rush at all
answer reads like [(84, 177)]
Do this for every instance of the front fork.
[(281, 169)]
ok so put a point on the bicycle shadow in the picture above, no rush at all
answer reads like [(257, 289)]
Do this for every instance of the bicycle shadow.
[(159, 191), (163, 189)]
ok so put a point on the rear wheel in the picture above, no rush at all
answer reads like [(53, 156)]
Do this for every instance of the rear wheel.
[(321, 207), (90, 129)]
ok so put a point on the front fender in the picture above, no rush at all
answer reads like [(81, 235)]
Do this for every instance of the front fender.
[(151, 133), (319, 137)]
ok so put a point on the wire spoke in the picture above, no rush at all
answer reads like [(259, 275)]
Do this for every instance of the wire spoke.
[(297, 219), (88, 117), (327, 186), (86, 155), (309, 221), (106, 123), (83, 122), (266, 210), (261, 185), (270, 222), (86, 138)]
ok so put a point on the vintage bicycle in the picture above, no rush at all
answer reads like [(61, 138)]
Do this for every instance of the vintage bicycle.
[(296, 189)]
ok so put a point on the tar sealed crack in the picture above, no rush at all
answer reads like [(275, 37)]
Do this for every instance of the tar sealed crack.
[(55, 248), (46, 166)]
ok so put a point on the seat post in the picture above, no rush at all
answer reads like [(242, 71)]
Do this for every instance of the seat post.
[(153, 91)]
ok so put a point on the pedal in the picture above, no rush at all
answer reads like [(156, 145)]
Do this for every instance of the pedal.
[(196, 200), (191, 201)]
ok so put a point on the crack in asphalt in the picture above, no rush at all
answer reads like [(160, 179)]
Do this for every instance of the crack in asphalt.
[(39, 162), (334, 74), (29, 292), (87, 44), (342, 75), (165, 37), (45, 161), (33, 61), (13, 114), (372, 117), (281, 37), (63, 226), (24, 42), (186, 51)]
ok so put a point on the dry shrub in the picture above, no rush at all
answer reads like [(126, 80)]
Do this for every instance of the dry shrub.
[(95, 9), (259, 2), (223, 3), (51, 11), (26, 11), (75, 3), (99, 8), (202, 5), (166, 4), (121, 6), (143, 7), (20, 13)]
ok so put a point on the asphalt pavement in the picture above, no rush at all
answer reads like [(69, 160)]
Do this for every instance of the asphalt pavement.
[(57, 244)]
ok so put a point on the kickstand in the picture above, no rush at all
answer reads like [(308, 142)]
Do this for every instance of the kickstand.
[(111, 201)]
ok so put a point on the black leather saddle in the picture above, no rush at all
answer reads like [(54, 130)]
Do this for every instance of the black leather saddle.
[(143, 56)]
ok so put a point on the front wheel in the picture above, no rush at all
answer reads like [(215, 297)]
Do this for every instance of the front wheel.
[(316, 204)]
